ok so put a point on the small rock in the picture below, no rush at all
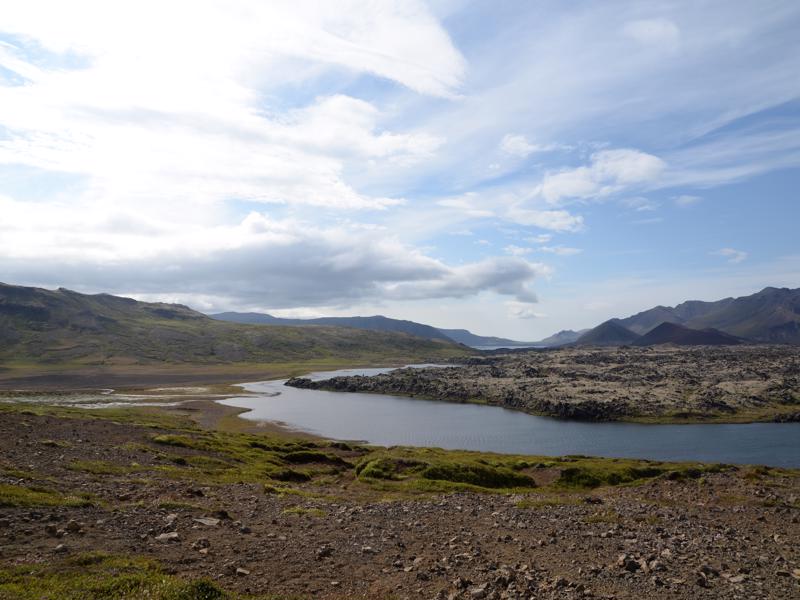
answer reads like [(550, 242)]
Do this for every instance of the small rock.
[(172, 536), (5, 523), (73, 526), (478, 592), (207, 521), (61, 548), (242, 572)]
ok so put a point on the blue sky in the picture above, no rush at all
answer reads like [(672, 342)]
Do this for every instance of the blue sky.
[(515, 168)]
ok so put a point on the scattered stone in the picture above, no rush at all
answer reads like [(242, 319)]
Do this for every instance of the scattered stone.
[(172, 536), (207, 521), (73, 526)]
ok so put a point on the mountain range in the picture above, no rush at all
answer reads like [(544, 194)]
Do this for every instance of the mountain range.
[(377, 323), (41, 326), (769, 316)]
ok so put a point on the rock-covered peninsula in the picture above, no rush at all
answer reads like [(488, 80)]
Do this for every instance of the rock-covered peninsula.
[(726, 384)]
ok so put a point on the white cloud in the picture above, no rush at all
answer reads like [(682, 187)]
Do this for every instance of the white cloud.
[(517, 250), (734, 256), (542, 238), (520, 310), (259, 261), (162, 106), (518, 145), (469, 204), (561, 250), (640, 204), (686, 200), (556, 220), (609, 171), (653, 32)]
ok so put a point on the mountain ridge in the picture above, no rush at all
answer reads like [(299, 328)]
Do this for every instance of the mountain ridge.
[(375, 323), (53, 327), (771, 315)]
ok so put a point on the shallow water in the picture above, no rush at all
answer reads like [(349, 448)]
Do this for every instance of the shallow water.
[(393, 420)]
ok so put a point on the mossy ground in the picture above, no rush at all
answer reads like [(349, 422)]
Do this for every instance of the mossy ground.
[(97, 576)]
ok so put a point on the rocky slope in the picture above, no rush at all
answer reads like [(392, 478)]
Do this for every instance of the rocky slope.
[(113, 509), (672, 333), (737, 383)]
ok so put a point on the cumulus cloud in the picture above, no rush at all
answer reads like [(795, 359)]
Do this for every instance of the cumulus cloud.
[(259, 262), (609, 171), (506, 276), (519, 310), (734, 256), (518, 145)]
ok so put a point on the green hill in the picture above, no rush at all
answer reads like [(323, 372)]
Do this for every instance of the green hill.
[(61, 327)]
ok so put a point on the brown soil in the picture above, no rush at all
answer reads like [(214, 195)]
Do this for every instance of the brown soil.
[(733, 534)]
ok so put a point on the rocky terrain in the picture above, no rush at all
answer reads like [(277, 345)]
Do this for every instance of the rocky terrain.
[(110, 505), (723, 383)]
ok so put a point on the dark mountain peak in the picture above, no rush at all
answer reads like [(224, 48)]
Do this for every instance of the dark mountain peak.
[(770, 315), (673, 333), (609, 333)]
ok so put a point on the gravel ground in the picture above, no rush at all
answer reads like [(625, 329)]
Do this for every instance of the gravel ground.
[(734, 534)]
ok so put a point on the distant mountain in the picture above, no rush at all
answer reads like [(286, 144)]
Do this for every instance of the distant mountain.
[(565, 336), (462, 336), (610, 333), (64, 327), (771, 315), (672, 333), (376, 323)]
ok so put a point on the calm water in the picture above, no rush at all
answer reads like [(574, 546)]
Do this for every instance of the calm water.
[(392, 420)]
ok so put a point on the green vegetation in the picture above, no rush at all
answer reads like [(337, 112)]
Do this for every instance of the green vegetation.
[(52, 331), (18, 495), (101, 467), (98, 576)]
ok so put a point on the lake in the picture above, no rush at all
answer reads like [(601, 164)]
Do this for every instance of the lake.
[(394, 420)]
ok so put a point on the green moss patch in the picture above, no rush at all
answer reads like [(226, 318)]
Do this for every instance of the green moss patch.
[(97, 576), (17, 495)]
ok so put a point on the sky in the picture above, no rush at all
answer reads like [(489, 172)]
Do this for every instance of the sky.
[(512, 168)]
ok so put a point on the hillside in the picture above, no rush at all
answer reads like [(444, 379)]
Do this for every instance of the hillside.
[(672, 333), (771, 315), (463, 336), (565, 336), (610, 333), (376, 323), (44, 327)]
